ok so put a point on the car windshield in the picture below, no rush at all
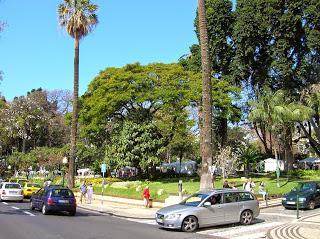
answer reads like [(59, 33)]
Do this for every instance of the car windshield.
[(194, 200), (306, 187), (12, 186), (33, 185), (61, 192)]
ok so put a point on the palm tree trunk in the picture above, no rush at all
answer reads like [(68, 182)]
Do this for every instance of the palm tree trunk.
[(74, 124), (206, 177), (288, 154)]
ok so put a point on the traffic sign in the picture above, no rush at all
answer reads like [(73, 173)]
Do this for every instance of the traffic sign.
[(103, 168)]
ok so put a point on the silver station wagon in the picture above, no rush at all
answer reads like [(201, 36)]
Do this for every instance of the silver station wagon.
[(209, 208)]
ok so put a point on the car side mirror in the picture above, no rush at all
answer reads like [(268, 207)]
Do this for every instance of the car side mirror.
[(207, 204)]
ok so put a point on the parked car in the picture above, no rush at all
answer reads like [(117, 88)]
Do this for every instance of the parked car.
[(30, 188), (307, 194), (54, 199), (10, 192), (208, 208)]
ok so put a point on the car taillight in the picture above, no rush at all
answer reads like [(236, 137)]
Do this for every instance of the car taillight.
[(3, 192), (50, 201), (29, 190)]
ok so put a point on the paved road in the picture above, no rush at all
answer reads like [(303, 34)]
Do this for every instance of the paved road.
[(18, 222), (268, 219)]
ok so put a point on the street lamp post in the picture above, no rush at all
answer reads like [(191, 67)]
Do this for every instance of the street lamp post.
[(64, 162)]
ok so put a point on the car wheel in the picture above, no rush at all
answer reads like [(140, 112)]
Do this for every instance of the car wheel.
[(44, 209), (246, 217), (311, 205), (72, 213), (31, 206), (189, 224)]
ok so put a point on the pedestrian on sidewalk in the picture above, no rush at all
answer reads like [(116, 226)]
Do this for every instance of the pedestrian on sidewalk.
[(89, 193), (146, 196), (83, 191), (263, 191), (249, 185)]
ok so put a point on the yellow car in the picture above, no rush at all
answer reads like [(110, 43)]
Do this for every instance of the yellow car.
[(30, 188)]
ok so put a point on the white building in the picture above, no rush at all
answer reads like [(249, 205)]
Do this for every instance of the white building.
[(270, 165)]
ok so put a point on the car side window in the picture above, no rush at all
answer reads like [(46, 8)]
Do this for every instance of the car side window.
[(231, 197), (215, 199), (245, 196)]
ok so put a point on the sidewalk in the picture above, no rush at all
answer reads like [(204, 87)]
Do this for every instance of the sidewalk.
[(303, 228), (132, 208), (120, 207)]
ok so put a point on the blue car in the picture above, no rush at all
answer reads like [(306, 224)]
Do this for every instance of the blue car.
[(54, 199), (306, 194)]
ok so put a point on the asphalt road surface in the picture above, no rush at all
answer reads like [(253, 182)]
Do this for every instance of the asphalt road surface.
[(17, 221)]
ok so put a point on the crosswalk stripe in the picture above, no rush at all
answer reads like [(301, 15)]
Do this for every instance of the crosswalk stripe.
[(5, 203), (244, 229), (252, 236), (15, 208), (29, 213), (278, 214)]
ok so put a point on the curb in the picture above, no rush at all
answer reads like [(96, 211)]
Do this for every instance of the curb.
[(271, 205)]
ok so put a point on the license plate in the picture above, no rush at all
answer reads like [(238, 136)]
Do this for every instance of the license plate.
[(291, 203), (63, 201), (13, 192)]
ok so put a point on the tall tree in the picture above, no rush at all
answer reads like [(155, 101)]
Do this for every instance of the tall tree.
[(206, 129), (78, 18)]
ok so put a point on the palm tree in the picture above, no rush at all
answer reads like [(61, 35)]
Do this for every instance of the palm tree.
[(78, 18), (279, 113), (206, 129)]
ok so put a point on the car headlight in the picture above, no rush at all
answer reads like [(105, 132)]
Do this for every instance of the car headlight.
[(284, 199), (172, 216), (302, 199)]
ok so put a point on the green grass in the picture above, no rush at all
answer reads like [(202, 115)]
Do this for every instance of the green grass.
[(127, 189), (170, 187)]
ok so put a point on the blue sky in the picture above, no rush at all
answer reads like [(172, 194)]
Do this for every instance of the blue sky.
[(35, 52)]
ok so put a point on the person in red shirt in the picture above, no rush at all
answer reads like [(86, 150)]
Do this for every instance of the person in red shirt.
[(146, 196)]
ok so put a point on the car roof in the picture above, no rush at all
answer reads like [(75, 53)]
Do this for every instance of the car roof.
[(57, 187), (222, 190)]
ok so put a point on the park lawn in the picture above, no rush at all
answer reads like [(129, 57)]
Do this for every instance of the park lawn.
[(170, 187)]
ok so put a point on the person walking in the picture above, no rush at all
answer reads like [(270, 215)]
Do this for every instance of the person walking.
[(83, 191), (89, 193), (146, 196)]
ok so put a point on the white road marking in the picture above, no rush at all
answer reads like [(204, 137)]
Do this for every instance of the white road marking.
[(5, 203), (278, 214), (251, 231), (29, 213), (15, 208), (145, 221)]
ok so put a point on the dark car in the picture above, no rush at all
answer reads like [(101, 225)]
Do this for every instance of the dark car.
[(54, 199), (306, 193)]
